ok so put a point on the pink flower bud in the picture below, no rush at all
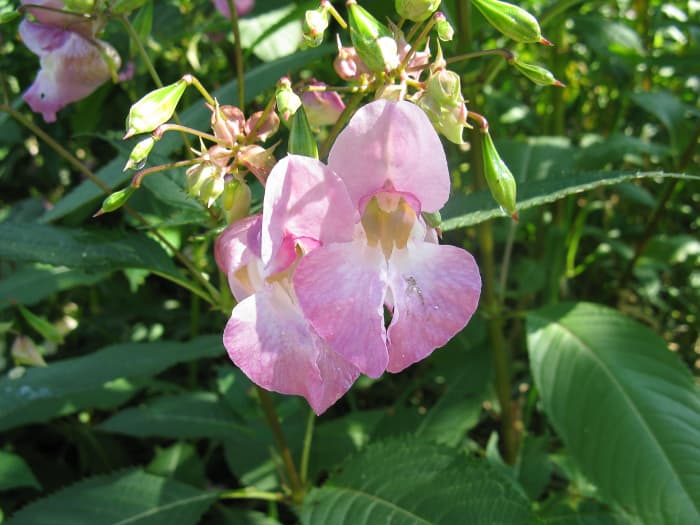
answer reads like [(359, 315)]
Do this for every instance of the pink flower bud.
[(348, 64), (227, 123), (263, 130)]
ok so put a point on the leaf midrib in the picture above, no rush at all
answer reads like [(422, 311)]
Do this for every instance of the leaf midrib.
[(630, 402), (163, 508)]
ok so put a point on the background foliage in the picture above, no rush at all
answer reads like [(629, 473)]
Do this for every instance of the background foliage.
[(139, 417)]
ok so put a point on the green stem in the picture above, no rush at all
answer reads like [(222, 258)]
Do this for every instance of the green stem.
[(194, 81), (138, 177), (342, 120), (306, 450), (239, 54), (273, 421), (248, 493), (160, 130), (505, 53)]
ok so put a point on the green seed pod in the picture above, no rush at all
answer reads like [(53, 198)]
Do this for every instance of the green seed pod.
[(445, 30), (154, 109), (315, 25), (287, 101), (537, 74), (511, 20), (416, 10), (499, 178), (236, 200), (301, 138), (445, 87), (139, 154), (372, 40), (115, 200)]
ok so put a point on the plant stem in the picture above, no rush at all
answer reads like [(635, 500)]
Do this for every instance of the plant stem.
[(239, 54), (273, 421), (306, 449), (505, 53), (249, 493)]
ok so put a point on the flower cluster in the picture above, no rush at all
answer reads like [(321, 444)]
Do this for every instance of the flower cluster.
[(336, 250), (73, 61)]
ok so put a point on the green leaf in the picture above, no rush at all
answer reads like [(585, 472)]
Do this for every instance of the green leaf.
[(196, 116), (41, 325), (586, 513), (191, 415), (14, 472), (132, 497), (181, 462), (482, 207), (671, 111), (143, 24), (69, 385), (283, 41), (30, 285), (92, 250), (410, 481), (625, 407)]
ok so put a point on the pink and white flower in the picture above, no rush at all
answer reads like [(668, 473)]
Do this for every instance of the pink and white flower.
[(73, 62), (243, 7)]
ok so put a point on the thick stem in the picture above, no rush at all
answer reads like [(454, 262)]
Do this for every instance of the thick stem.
[(285, 453)]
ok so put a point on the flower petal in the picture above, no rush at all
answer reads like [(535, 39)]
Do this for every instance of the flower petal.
[(236, 248), (304, 203), (243, 7), (48, 12), (392, 145), (268, 338), (436, 290), (340, 288)]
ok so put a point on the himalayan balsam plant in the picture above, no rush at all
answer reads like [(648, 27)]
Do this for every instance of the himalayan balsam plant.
[(275, 316)]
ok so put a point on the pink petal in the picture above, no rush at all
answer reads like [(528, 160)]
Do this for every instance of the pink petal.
[(268, 338), (243, 7), (435, 291), (340, 288), (237, 247), (305, 203), (72, 22), (392, 145), (71, 67)]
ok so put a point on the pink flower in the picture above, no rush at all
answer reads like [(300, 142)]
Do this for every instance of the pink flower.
[(243, 7), (73, 63), (393, 166), (267, 336), (323, 108)]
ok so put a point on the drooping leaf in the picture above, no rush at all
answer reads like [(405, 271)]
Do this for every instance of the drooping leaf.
[(132, 497), (191, 415), (69, 385), (14, 472), (196, 116), (41, 325), (410, 481), (625, 407), (480, 206), (180, 461)]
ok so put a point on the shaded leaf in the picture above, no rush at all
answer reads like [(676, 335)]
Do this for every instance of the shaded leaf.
[(14, 472)]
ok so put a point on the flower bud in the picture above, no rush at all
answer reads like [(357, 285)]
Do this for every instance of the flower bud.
[(323, 108), (227, 123), (211, 189), (444, 29), (198, 174), (258, 160), (315, 25), (236, 200), (416, 10), (265, 128), (372, 40), (25, 352), (512, 21), (138, 156), (499, 178), (348, 64), (391, 92), (450, 121), (115, 200), (287, 101), (154, 109), (445, 87), (301, 138), (537, 74)]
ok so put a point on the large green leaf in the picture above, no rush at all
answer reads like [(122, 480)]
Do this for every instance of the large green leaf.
[(132, 497), (69, 385), (410, 481), (196, 116), (14, 472), (191, 415), (481, 206), (626, 408), (30, 285)]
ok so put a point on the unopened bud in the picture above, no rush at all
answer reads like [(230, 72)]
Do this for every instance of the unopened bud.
[(263, 129), (372, 40), (301, 138), (287, 101), (499, 178), (416, 10), (512, 21), (227, 123), (444, 29), (139, 155), (154, 109), (198, 174), (115, 200), (211, 189), (258, 160), (323, 108), (348, 63), (445, 87), (236, 200), (25, 352), (537, 74), (315, 25)]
